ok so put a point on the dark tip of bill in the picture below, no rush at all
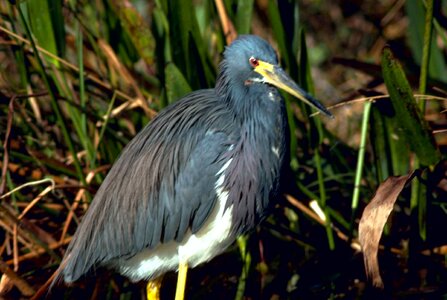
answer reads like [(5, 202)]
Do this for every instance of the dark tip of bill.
[(329, 114), (320, 107)]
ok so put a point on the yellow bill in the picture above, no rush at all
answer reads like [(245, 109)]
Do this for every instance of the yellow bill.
[(276, 76)]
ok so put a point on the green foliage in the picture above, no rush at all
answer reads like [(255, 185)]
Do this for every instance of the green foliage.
[(176, 85), (390, 157), (188, 47), (47, 24), (112, 65), (416, 14), (137, 29), (243, 16), (415, 129)]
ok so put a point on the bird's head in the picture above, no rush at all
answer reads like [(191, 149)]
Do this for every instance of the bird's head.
[(250, 62)]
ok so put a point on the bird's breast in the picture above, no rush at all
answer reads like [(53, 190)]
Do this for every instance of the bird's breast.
[(252, 176)]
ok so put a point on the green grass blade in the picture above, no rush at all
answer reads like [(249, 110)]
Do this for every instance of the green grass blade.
[(76, 114), (360, 163), (426, 51), (104, 125), (176, 84), (246, 257), (315, 134), (57, 19), (137, 29), (42, 16), (418, 204), (418, 189), (188, 50), (278, 31), (416, 35), (242, 20), (391, 159), (82, 96), (54, 104), (379, 142), (411, 121)]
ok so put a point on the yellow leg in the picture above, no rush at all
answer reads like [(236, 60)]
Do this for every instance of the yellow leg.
[(181, 281), (153, 289)]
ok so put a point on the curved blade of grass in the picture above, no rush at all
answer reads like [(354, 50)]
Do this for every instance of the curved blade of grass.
[(65, 88), (415, 129), (160, 29), (82, 95), (176, 84), (54, 104), (418, 189), (46, 23), (243, 16), (57, 19), (139, 32), (379, 144), (280, 34), (416, 35), (426, 51), (390, 157), (188, 51)]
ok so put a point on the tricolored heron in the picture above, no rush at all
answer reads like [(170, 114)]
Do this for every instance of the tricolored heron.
[(200, 174)]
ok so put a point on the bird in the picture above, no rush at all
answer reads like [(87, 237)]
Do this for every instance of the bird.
[(200, 174)]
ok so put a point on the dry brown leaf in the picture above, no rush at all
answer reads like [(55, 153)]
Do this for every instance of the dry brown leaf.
[(373, 220)]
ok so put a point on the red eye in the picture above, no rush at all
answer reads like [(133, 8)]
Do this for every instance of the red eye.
[(253, 62)]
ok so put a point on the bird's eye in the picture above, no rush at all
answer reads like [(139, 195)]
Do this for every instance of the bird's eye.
[(253, 62)]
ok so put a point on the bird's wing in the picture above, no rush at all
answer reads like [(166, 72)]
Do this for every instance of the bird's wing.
[(162, 185), (185, 201)]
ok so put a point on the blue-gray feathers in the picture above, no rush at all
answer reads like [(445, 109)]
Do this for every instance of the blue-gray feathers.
[(164, 182)]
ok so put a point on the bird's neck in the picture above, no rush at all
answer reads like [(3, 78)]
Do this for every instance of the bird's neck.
[(262, 107), (257, 157)]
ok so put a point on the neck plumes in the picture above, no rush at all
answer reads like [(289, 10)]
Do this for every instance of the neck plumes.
[(252, 178)]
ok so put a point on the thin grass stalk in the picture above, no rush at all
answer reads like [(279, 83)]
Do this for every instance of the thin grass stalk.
[(103, 127), (360, 164), (306, 80), (418, 200), (106, 120), (320, 173), (54, 103), (428, 32), (82, 97), (65, 87), (246, 258), (306, 191), (323, 197)]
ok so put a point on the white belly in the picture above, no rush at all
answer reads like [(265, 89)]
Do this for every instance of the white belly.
[(211, 240)]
